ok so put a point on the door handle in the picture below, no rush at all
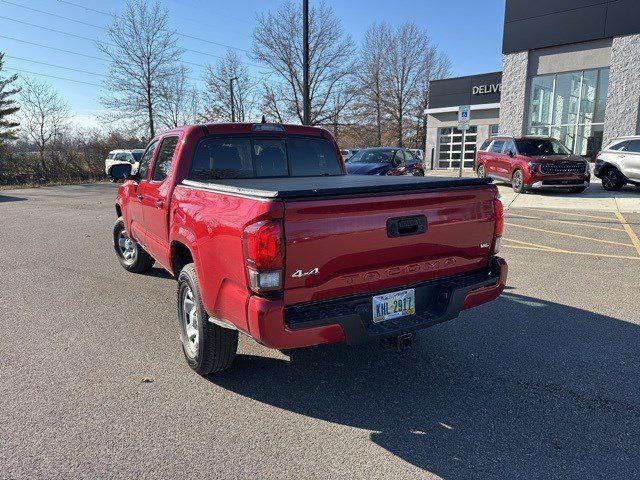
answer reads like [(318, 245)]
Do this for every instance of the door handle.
[(139, 196), (159, 203)]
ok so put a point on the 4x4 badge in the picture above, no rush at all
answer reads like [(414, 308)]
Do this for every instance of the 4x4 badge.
[(300, 273)]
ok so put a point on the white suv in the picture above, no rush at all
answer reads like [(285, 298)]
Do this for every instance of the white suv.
[(116, 157), (619, 163)]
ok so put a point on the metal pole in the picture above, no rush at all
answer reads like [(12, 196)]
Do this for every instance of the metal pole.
[(464, 133), (305, 64), (233, 101)]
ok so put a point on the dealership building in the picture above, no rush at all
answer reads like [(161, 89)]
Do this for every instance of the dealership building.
[(571, 70)]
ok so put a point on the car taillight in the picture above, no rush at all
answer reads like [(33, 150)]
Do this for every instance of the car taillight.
[(264, 252), (498, 213), (397, 171)]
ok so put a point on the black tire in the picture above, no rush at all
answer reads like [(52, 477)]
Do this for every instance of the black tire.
[(217, 346), (517, 181), (577, 189), (612, 179), (480, 172), (139, 261)]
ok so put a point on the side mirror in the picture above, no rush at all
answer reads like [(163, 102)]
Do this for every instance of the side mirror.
[(511, 153), (120, 172)]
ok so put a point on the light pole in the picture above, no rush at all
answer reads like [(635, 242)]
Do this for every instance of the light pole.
[(306, 102), (233, 102)]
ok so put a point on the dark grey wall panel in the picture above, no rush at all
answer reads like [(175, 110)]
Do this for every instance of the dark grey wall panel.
[(452, 92), (545, 23)]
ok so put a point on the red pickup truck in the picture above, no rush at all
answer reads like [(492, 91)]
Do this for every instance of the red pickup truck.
[(268, 236)]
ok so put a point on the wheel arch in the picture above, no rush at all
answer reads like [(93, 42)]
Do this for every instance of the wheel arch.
[(180, 255)]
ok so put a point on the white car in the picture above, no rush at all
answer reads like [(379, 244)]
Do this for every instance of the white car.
[(619, 163), (117, 157)]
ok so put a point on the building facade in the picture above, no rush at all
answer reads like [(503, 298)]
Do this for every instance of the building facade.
[(571, 70), (444, 141)]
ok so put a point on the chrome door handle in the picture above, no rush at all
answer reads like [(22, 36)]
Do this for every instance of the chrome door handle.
[(139, 197), (159, 203)]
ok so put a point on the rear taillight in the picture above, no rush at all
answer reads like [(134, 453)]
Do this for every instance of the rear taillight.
[(498, 213), (264, 253)]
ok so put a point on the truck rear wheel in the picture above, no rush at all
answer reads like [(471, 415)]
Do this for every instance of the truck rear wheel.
[(131, 255), (207, 347)]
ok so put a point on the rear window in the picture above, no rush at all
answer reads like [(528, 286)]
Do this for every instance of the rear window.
[(312, 157), (247, 157)]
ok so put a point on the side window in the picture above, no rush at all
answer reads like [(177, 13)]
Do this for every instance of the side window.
[(497, 146), (493, 130), (222, 158), (618, 146), (633, 146), (510, 145), (121, 157), (270, 158), (162, 165), (143, 168)]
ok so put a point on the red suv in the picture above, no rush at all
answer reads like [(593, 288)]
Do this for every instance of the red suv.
[(532, 163)]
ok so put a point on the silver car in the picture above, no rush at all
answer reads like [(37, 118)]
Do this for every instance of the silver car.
[(618, 163)]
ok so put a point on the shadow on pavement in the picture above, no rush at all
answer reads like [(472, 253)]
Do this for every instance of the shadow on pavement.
[(522, 388), (8, 198)]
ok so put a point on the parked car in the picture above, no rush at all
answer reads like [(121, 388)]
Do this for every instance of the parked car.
[(268, 236), (117, 157), (532, 163), (346, 153), (385, 161), (619, 163)]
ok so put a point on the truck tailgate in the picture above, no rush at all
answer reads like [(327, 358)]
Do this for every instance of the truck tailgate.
[(337, 247)]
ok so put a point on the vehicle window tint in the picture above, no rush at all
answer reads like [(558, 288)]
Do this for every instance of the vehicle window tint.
[(485, 146), (510, 145), (311, 157), (270, 158), (143, 168), (163, 161), (121, 157), (222, 158), (617, 146), (497, 146), (110, 156), (633, 146)]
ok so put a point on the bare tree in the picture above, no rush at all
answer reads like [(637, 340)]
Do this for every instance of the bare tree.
[(144, 54), (277, 42), (435, 65), (44, 117), (178, 101), (217, 96), (371, 77), (8, 106), (403, 67)]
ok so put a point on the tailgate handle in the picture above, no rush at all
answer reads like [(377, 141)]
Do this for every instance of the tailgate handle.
[(403, 226)]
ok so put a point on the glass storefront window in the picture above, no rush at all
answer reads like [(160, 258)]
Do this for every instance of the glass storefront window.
[(570, 107)]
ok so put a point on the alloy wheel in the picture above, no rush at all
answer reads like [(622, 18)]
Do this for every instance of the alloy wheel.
[(191, 333)]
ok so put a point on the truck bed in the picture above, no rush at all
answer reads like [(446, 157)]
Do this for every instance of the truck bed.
[(291, 188)]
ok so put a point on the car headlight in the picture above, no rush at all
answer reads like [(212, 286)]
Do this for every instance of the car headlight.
[(533, 167)]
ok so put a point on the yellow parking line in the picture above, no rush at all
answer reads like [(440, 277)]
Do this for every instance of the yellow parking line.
[(570, 252), (572, 214), (570, 235), (568, 222), (630, 232), (536, 245)]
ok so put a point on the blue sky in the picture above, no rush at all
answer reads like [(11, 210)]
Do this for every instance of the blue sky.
[(227, 22)]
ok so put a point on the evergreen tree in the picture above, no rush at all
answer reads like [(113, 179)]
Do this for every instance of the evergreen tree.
[(8, 106)]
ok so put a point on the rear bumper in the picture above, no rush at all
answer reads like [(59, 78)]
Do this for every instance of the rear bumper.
[(350, 319)]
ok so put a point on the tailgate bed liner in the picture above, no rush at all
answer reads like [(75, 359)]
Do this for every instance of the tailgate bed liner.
[(291, 188)]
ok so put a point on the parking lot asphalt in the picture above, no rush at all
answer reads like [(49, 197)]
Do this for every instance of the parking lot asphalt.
[(542, 383)]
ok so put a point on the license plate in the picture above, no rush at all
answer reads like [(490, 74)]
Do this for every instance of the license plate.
[(394, 305)]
